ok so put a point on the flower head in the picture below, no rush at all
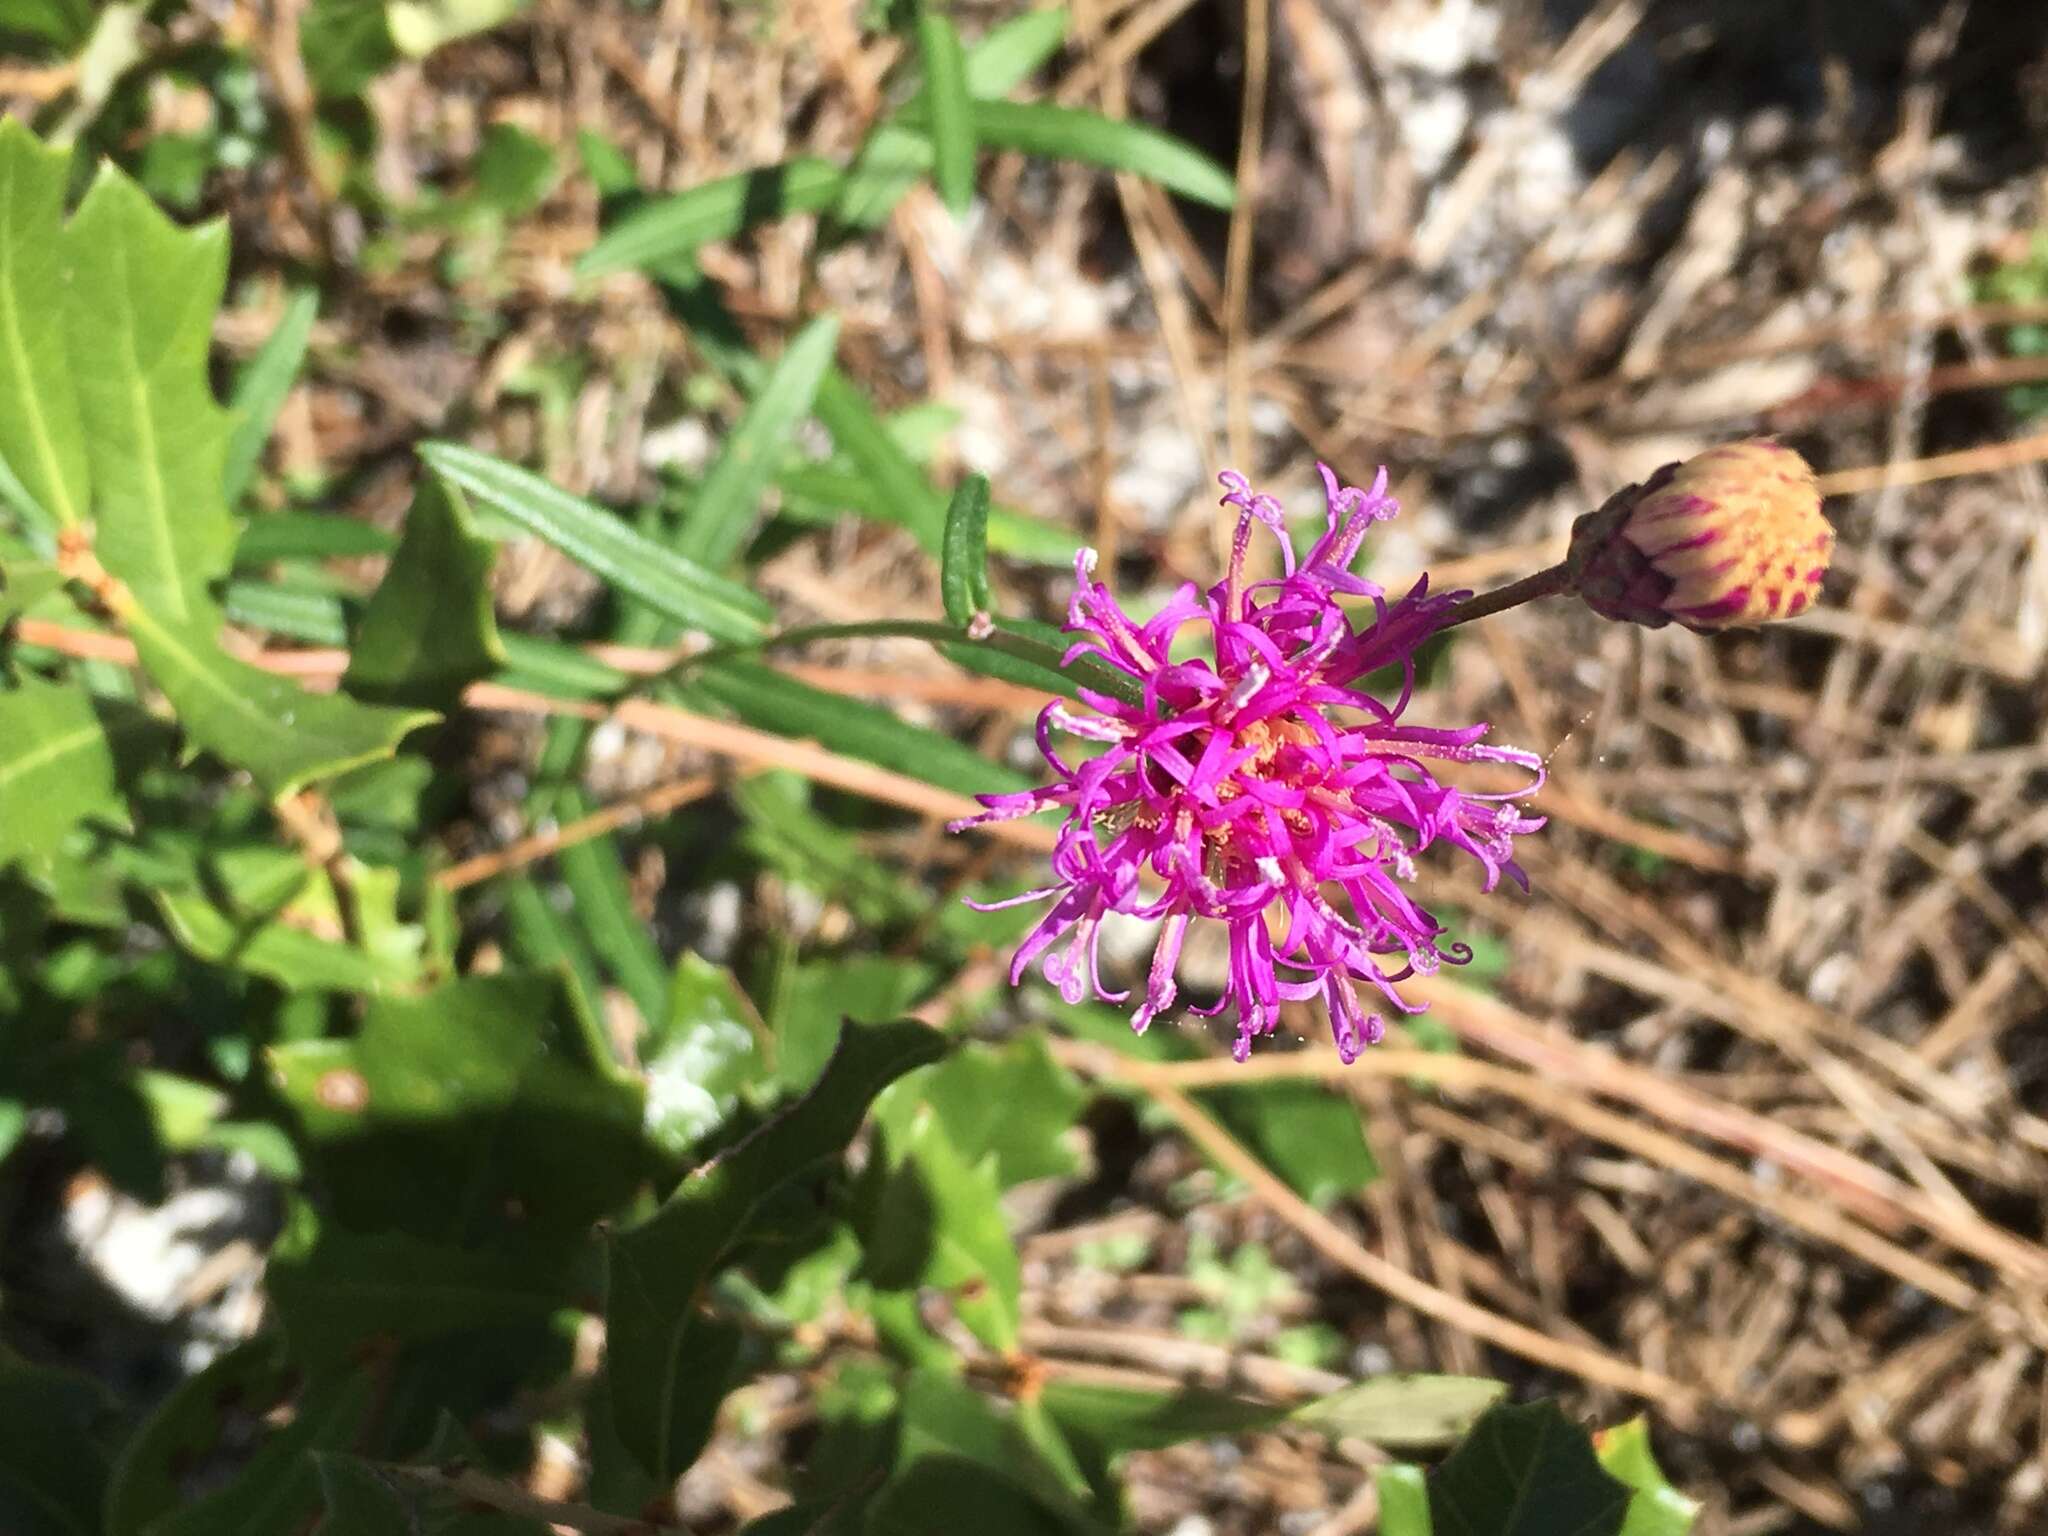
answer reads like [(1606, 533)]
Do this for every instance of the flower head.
[(1733, 536), (1264, 780)]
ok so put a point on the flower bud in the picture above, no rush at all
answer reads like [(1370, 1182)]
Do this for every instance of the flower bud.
[(1731, 537)]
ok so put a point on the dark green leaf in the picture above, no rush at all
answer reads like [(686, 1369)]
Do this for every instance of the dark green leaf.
[(945, 92), (346, 44), (273, 1490), (658, 1270), (679, 589), (818, 995), (53, 1451), (1312, 1137), (365, 1498), (261, 388), (429, 631), (1525, 1471), (962, 1464), (963, 567), (338, 1292), (859, 434), (446, 1117)]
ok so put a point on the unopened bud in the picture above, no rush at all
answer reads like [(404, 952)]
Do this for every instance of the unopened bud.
[(1731, 537)]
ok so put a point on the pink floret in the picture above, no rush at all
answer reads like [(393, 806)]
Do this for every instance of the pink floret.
[(1262, 786)]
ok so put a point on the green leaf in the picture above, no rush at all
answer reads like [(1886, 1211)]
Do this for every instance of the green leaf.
[(1072, 133), (679, 589), (277, 948), (723, 511), (429, 630), (42, 440), (963, 565), (775, 701), (1118, 1419), (139, 305), (308, 536), (257, 720), (1040, 1102), (1525, 1471), (963, 1465), (418, 27), (895, 157), (860, 434), (698, 1057), (53, 1451), (261, 388), (445, 1117), (1402, 1412), (1655, 1508), (191, 1430), (816, 998), (659, 1269), (604, 905), (56, 768), (1312, 1137), (346, 44), (337, 1292), (1404, 1500), (365, 1498), (938, 1222), (945, 89), (666, 228)]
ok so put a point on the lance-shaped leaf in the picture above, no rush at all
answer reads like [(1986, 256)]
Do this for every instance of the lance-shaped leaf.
[(429, 631), (658, 1270), (56, 768), (42, 444), (261, 388), (677, 588)]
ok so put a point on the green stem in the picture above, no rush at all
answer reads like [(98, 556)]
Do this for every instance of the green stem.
[(1545, 583)]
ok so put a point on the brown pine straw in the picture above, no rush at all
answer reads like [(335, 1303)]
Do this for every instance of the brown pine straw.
[(1163, 1084)]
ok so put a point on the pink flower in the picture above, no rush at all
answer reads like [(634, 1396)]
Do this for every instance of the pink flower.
[(1262, 786)]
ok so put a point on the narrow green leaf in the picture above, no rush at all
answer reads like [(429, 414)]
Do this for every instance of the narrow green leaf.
[(895, 156), (312, 614), (963, 564), (1073, 133), (256, 720), (562, 671), (1146, 1418), (308, 536), (775, 701), (668, 227), (604, 907), (429, 630), (860, 434), (1402, 1412), (679, 589), (1525, 1471), (726, 505), (42, 440), (945, 88), (261, 388), (659, 1269), (56, 768)]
